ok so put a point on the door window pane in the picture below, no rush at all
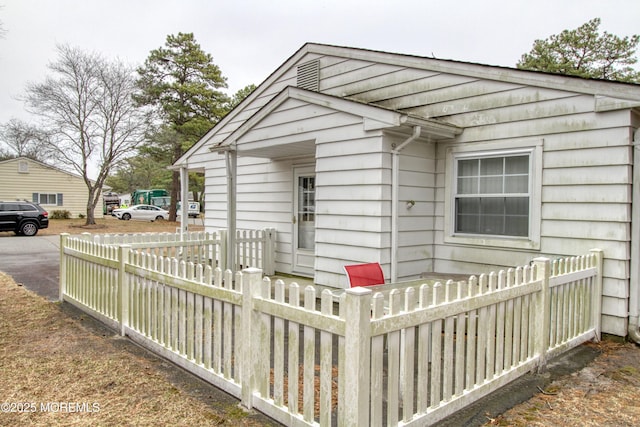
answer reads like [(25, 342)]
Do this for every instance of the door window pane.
[(306, 212)]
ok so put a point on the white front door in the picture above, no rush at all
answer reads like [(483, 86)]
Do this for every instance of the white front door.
[(304, 224)]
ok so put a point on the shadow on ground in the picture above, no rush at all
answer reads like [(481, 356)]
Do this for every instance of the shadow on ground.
[(521, 389), (213, 397)]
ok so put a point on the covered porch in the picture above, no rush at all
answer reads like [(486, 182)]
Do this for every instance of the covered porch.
[(340, 184)]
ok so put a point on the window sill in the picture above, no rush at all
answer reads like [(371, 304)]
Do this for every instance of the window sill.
[(493, 241)]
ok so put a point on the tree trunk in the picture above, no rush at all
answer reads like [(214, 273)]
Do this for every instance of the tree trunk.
[(91, 207), (175, 185)]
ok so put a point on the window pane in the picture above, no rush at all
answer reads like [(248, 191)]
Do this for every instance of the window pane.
[(492, 224), (467, 185), (516, 184), (516, 165), (468, 215), (517, 226), (492, 205), (517, 206), (469, 206), (491, 185), (493, 166), (468, 167), (517, 216)]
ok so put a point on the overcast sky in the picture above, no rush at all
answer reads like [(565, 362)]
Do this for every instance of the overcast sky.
[(249, 39)]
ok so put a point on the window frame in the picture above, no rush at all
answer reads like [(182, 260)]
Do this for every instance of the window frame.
[(36, 198), (532, 148)]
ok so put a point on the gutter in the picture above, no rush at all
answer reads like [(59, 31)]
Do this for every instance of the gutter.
[(395, 191), (634, 280)]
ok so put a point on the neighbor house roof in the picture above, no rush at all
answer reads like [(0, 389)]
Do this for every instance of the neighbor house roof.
[(45, 165)]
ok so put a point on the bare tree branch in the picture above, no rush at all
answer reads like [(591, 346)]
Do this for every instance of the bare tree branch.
[(88, 110)]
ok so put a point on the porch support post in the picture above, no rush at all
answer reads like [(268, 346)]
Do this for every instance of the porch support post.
[(231, 157), (184, 201)]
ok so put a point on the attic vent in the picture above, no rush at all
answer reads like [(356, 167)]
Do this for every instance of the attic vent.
[(309, 75), (23, 166)]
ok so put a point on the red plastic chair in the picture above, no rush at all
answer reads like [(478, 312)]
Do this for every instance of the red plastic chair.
[(368, 274)]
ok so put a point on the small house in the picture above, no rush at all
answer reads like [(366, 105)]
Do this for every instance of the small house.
[(428, 165), (54, 189)]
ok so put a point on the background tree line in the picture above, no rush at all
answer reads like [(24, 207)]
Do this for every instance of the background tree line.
[(131, 124)]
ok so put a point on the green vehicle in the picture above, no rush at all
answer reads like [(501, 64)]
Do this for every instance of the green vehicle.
[(155, 197)]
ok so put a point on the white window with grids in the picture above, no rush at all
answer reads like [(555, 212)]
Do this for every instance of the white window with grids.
[(494, 196)]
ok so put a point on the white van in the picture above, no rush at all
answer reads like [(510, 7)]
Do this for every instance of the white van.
[(193, 210)]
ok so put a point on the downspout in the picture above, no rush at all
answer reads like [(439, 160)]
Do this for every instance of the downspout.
[(395, 191), (634, 280)]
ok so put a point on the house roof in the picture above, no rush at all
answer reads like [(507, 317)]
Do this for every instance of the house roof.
[(44, 165), (608, 94), (374, 116)]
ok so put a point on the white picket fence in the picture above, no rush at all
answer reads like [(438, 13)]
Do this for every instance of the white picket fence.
[(403, 357), (253, 248)]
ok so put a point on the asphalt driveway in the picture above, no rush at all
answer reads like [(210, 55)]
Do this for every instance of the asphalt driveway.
[(32, 261)]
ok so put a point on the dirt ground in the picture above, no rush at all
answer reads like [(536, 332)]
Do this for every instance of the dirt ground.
[(61, 368), (111, 225), (604, 393), (53, 357)]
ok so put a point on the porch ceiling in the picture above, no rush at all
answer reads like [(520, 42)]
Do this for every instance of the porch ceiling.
[(281, 151)]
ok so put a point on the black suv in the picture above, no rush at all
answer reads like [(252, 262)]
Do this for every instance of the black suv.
[(23, 217)]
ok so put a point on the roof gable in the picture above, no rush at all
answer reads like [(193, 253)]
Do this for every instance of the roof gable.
[(40, 164), (374, 117)]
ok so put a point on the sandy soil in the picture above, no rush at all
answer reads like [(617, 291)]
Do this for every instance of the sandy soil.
[(61, 368), (604, 393)]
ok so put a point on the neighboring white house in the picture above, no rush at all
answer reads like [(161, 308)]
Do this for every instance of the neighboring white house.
[(54, 189), (429, 165)]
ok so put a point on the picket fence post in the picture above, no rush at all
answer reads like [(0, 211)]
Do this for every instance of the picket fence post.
[(251, 286), (123, 287), (223, 238), (543, 320), (268, 251), (357, 342), (596, 309), (62, 285)]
